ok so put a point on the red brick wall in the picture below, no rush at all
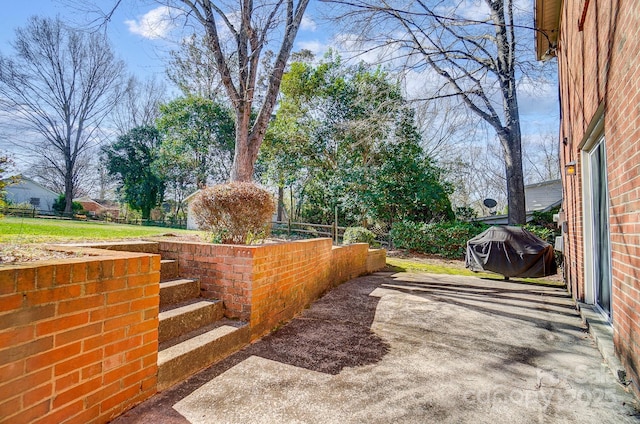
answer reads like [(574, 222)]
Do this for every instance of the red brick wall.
[(78, 338), (600, 66), (287, 278), (224, 271), (269, 284)]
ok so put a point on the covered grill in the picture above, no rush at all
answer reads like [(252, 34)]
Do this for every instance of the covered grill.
[(512, 252)]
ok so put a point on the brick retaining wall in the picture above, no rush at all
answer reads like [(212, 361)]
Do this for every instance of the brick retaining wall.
[(78, 338), (268, 284)]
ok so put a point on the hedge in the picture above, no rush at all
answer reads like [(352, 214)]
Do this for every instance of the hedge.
[(447, 239)]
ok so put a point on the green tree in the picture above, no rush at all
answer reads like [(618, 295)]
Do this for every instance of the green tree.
[(5, 162), (60, 203), (476, 58), (198, 139), (345, 137), (132, 161), (405, 186)]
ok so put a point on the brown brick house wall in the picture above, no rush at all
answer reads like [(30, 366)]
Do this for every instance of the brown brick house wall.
[(599, 76)]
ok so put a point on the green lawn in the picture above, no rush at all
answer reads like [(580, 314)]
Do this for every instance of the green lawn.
[(34, 230), (406, 265)]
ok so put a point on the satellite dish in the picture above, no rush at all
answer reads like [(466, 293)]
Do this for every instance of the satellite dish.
[(490, 203)]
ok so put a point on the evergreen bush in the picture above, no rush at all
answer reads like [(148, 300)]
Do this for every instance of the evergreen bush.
[(60, 203), (446, 239), (358, 235)]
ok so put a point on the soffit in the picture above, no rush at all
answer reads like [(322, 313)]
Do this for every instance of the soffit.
[(547, 22)]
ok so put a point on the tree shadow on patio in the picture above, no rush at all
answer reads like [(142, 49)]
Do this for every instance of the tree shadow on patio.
[(334, 333)]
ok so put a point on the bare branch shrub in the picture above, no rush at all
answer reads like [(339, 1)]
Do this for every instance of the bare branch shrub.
[(235, 213)]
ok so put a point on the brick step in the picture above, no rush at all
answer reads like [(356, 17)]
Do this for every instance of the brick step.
[(188, 316), (168, 269), (178, 290), (180, 358)]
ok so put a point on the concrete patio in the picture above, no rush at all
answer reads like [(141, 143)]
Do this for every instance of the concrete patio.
[(411, 348)]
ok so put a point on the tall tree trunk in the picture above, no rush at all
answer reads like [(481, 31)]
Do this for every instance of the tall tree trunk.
[(512, 148), (245, 150), (68, 188), (510, 135), (251, 33), (280, 202), (68, 197)]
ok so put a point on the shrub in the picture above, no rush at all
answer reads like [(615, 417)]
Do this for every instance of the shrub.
[(20, 209), (447, 239), (234, 213), (542, 225), (465, 213), (358, 235), (60, 203), (23, 207), (545, 233)]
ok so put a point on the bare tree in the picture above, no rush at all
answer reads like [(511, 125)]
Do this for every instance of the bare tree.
[(474, 56), (193, 69), (542, 158), (49, 175), (445, 127), (140, 105), (474, 168), (237, 34), (60, 85)]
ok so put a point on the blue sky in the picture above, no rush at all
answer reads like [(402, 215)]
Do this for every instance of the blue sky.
[(142, 37), (138, 52), (139, 31)]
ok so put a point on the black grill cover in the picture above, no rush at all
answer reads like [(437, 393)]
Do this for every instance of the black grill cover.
[(512, 252)]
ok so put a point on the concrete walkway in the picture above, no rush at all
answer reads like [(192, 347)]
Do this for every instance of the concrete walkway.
[(411, 348)]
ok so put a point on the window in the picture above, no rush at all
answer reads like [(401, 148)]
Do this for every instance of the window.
[(595, 195)]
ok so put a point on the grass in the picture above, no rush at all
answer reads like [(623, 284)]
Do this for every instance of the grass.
[(406, 265), (16, 230), (23, 231)]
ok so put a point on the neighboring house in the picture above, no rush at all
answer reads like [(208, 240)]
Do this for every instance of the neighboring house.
[(25, 190), (597, 45), (191, 221), (98, 207), (539, 197), (543, 196)]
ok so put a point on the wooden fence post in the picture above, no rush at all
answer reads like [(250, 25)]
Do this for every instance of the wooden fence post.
[(335, 226)]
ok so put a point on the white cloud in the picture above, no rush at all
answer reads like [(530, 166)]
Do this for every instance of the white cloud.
[(156, 23), (538, 97), (308, 24), (316, 47), (474, 10)]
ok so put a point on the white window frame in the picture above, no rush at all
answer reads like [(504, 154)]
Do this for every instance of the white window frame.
[(593, 139)]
